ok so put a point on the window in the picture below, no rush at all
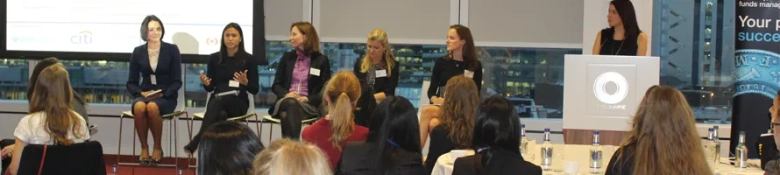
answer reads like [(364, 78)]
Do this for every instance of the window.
[(101, 82), (13, 83), (694, 45)]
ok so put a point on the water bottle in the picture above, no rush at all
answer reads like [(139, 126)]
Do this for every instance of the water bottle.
[(547, 149), (523, 141), (113, 168), (595, 152), (709, 148), (716, 137), (741, 152), (180, 171)]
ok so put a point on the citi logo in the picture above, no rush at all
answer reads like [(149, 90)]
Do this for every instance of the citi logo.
[(83, 37)]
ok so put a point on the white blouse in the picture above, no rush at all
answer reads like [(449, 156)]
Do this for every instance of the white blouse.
[(32, 130), (154, 55)]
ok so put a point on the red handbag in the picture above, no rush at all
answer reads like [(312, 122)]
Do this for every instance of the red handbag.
[(43, 159)]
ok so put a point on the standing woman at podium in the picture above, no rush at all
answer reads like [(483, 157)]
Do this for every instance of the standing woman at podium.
[(159, 65), (299, 79), (231, 69), (623, 37)]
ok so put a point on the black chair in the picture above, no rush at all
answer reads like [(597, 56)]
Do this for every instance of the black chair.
[(365, 106), (83, 159)]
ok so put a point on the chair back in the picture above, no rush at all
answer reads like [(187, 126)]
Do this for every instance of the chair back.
[(251, 108), (82, 158)]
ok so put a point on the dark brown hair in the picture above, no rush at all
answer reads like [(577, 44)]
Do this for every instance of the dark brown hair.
[(145, 27), (469, 50)]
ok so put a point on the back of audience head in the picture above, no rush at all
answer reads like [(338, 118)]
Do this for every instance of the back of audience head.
[(228, 148), (44, 63), (340, 95), (393, 125), (664, 134), (497, 127), (461, 98), (286, 156), (52, 95)]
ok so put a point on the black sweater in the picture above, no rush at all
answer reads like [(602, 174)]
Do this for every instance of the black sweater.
[(383, 84), (222, 73), (446, 68)]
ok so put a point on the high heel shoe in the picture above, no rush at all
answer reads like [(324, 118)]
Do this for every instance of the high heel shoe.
[(157, 161), (141, 159)]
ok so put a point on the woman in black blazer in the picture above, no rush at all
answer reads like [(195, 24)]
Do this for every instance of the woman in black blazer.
[(159, 63), (378, 74), (231, 69), (392, 146), (496, 142), (299, 79)]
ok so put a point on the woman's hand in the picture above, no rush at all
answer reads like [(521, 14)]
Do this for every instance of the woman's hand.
[(303, 99), (204, 79), (7, 151), (152, 97), (292, 95), (437, 100), (241, 77)]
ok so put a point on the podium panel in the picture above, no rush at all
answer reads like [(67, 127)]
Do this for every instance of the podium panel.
[(602, 93)]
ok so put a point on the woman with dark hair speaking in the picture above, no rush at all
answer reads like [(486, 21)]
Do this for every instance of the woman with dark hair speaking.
[(228, 148), (623, 36), (392, 145), (231, 69), (159, 64), (496, 142)]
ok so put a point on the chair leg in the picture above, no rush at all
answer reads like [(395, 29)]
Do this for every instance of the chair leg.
[(170, 137), (257, 125), (176, 141), (271, 134), (119, 146)]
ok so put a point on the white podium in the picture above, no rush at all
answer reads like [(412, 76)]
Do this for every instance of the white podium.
[(602, 93)]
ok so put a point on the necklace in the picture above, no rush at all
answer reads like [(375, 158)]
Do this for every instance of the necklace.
[(619, 48)]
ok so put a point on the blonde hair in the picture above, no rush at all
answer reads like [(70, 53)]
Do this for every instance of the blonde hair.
[(341, 94), (379, 35), (286, 156), (664, 136), (53, 96)]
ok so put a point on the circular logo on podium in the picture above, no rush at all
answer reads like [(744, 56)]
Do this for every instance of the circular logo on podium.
[(599, 87)]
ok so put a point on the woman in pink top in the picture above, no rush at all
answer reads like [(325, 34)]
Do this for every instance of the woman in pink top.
[(338, 127)]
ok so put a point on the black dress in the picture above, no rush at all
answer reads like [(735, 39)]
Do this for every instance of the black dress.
[(610, 46), (446, 68)]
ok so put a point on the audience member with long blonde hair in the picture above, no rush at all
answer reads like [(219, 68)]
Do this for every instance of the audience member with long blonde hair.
[(457, 115), (286, 156), (663, 139), (337, 128), (52, 120)]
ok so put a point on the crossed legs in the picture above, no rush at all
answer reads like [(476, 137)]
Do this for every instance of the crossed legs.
[(147, 117), (429, 119)]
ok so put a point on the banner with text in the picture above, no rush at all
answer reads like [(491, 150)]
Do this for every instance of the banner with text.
[(757, 69)]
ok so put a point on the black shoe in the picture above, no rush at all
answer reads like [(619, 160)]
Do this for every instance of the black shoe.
[(157, 161)]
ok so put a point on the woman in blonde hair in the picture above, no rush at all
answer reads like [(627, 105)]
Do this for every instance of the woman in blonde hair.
[(337, 128), (377, 71), (51, 121), (286, 156), (378, 68), (663, 139)]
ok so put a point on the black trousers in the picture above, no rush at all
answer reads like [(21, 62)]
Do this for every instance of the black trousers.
[(293, 113), (6, 161), (220, 109)]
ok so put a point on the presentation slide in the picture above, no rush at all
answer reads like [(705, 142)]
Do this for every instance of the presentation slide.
[(114, 26)]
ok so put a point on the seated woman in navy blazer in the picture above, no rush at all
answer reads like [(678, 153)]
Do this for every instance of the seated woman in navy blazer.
[(231, 69), (299, 79), (159, 64)]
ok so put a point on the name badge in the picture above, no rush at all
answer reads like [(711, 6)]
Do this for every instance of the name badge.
[(381, 73), (468, 73), (233, 83), (314, 71), (153, 79)]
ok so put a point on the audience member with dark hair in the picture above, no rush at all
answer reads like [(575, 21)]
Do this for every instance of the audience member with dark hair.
[(51, 121), (155, 65), (392, 146), (228, 147), (496, 142)]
